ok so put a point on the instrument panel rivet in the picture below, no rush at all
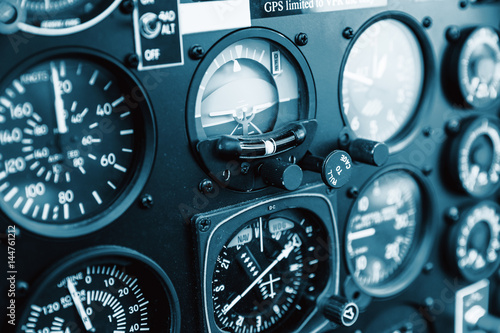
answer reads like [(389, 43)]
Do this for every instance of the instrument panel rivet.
[(427, 22), (22, 288), (147, 201), (428, 268), (204, 225), (301, 39), (132, 60), (427, 170), (348, 33), (453, 127), (196, 52), (463, 4), (427, 131)]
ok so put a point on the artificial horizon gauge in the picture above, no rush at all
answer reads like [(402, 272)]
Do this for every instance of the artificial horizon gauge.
[(63, 17), (382, 80), (475, 241), (106, 290), (475, 157), (267, 276), (388, 233), (478, 67), (77, 139), (252, 86)]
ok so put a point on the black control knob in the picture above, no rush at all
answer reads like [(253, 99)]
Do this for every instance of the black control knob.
[(335, 169), (281, 174), (341, 311), (369, 152)]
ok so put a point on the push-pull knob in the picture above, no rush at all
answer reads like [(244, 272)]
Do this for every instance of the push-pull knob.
[(478, 318), (281, 174), (335, 169), (341, 311), (369, 152)]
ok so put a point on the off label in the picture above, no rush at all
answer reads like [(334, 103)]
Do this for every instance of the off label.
[(157, 35)]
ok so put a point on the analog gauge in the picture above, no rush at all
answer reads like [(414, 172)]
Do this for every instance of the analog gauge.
[(62, 17), (77, 144), (106, 289), (385, 232), (251, 86), (475, 157), (265, 273), (382, 80), (479, 68), (475, 241)]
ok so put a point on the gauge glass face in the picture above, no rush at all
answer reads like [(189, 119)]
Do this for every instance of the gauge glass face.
[(478, 241), (72, 139), (57, 17), (382, 80), (479, 68), (265, 274), (108, 294), (383, 230), (252, 87)]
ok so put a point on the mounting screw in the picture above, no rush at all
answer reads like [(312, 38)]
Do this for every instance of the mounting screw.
[(452, 127), (427, 170), (429, 302), (127, 7), (147, 201), (204, 225), (427, 22), (353, 192), (428, 268), (427, 131), (132, 60), (453, 215), (344, 138), (348, 33), (452, 33), (196, 52), (463, 4), (22, 288), (206, 186), (301, 39), (245, 167)]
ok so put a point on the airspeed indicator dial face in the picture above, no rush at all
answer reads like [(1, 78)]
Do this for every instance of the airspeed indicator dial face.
[(72, 139), (383, 231), (382, 80)]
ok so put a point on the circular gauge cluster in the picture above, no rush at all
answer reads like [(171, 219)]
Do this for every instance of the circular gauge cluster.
[(267, 275), (252, 97), (475, 241), (383, 79), (61, 17), (475, 68), (388, 233), (76, 142), (107, 290), (475, 157)]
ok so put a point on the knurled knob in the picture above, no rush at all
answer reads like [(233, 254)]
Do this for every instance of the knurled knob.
[(341, 311)]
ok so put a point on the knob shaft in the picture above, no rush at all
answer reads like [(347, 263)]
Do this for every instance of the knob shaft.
[(341, 311), (370, 152), (335, 169), (280, 174)]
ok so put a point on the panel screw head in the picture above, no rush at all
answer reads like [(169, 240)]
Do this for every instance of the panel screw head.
[(196, 52), (127, 7), (427, 131), (428, 268), (427, 170), (453, 214), (22, 288), (132, 60), (427, 22), (348, 33), (204, 225), (301, 39), (463, 4), (453, 127), (453, 33), (147, 201), (353, 192), (206, 186)]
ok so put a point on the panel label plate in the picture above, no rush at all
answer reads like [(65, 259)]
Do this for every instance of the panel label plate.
[(264, 8), (158, 41)]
